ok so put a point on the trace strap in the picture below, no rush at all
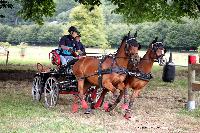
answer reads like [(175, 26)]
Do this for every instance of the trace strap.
[(140, 75)]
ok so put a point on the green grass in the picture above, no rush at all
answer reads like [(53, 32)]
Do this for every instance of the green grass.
[(18, 113), (194, 113), (180, 81)]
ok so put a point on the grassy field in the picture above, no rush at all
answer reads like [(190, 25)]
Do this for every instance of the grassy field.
[(18, 113), (35, 54), (160, 108)]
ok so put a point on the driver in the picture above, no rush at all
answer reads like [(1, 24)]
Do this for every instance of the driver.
[(67, 45)]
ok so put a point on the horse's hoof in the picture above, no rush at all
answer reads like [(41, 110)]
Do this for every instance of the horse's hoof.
[(74, 108), (124, 106), (88, 111), (106, 106), (127, 116), (84, 104)]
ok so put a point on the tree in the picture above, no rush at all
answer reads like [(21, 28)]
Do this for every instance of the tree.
[(3, 5), (152, 10), (10, 14), (133, 11), (90, 23), (36, 10)]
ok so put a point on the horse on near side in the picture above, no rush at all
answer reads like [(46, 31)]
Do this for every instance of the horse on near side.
[(139, 76), (108, 73)]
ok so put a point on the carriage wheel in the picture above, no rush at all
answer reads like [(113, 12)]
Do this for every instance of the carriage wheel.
[(51, 92), (37, 88)]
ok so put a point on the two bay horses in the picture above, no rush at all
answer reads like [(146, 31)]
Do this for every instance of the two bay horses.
[(139, 76), (108, 73)]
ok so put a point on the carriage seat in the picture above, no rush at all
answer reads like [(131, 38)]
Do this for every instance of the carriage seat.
[(55, 58)]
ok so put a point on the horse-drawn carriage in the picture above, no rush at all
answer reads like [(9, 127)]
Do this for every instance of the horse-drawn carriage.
[(102, 75), (55, 81)]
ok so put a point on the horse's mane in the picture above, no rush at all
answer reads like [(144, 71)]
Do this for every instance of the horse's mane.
[(124, 39)]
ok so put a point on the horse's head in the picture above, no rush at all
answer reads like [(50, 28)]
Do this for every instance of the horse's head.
[(157, 51), (132, 46)]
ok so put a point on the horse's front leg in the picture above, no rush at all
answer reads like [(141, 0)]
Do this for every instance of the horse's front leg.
[(115, 103), (117, 96), (81, 93), (130, 106)]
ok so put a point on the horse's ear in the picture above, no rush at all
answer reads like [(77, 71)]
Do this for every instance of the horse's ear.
[(155, 40), (129, 34), (140, 46), (135, 35)]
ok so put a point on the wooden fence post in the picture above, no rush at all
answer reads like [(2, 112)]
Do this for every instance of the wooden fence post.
[(7, 58), (191, 79)]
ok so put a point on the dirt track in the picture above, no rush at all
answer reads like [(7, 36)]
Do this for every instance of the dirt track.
[(156, 111)]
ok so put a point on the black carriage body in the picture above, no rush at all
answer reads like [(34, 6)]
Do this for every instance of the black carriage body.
[(66, 80), (58, 81)]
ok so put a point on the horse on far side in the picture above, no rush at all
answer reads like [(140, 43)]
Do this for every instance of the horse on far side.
[(139, 76)]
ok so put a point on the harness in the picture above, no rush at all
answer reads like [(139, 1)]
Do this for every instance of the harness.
[(100, 71), (140, 75)]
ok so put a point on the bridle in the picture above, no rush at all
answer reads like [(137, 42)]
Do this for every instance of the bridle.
[(130, 42), (155, 47)]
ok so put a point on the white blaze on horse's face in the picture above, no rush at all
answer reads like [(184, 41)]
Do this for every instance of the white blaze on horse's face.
[(161, 53), (133, 50)]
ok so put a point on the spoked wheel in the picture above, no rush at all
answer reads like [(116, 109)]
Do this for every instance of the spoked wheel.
[(51, 92), (37, 88)]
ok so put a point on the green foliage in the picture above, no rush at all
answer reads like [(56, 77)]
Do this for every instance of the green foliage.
[(90, 24), (34, 34), (184, 35), (110, 17), (132, 11), (5, 31), (5, 44), (23, 45), (5, 4), (49, 34), (18, 34), (64, 5), (10, 14), (36, 10), (115, 33), (146, 10)]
